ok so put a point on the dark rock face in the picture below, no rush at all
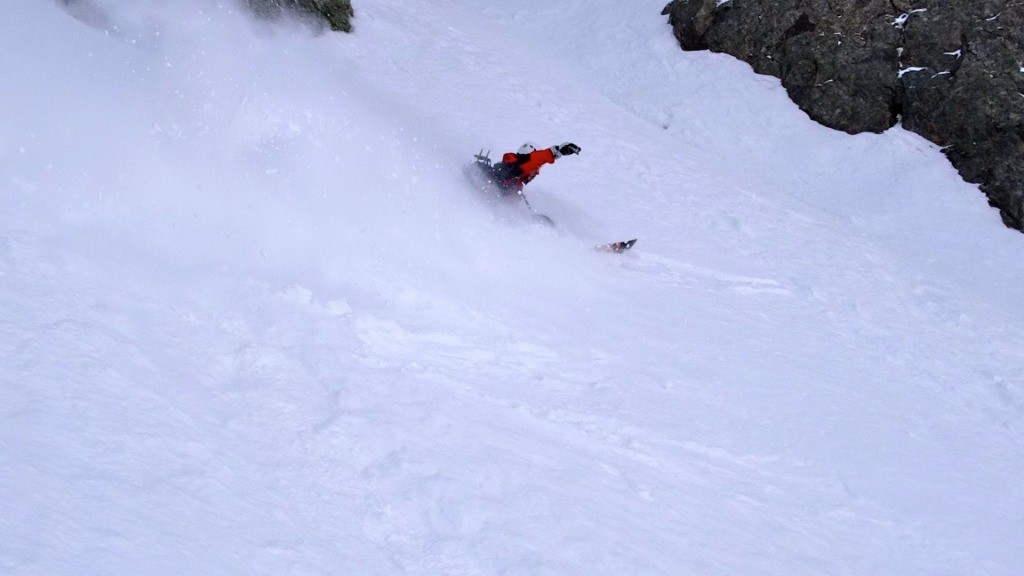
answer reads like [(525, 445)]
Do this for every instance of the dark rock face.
[(950, 70), (337, 13)]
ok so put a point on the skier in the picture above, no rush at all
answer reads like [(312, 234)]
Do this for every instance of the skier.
[(517, 169)]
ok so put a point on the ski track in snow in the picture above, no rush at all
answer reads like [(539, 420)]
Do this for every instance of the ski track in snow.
[(255, 321)]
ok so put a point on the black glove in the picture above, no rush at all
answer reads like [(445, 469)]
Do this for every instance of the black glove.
[(567, 148)]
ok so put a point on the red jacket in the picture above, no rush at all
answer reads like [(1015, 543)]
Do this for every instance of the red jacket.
[(527, 165)]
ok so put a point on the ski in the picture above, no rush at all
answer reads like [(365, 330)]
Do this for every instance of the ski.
[(616, 247)]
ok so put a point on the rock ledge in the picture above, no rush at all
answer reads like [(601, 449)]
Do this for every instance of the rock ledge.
[(950, 70)]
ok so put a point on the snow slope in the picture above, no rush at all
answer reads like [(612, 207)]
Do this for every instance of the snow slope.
[(255, 322)]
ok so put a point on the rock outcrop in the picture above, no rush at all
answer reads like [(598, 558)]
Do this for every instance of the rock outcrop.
[(336, 13), (950, 70)]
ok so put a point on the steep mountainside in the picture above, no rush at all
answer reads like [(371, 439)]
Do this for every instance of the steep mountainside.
[(256, 321)]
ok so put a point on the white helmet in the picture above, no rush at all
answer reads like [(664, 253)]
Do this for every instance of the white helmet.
[(528, 148)]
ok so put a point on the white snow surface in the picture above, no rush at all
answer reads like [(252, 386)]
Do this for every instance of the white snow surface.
[(254, 321)]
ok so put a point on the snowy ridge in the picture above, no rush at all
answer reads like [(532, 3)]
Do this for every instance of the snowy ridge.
[(255, 321)]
